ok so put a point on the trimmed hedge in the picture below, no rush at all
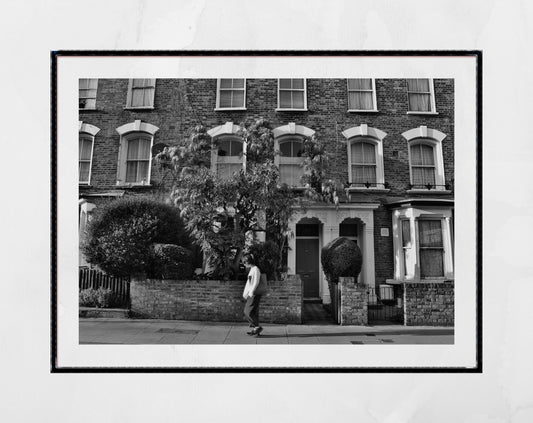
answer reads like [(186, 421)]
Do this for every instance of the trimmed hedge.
[(171, 262), (121, 235), (341, 257)]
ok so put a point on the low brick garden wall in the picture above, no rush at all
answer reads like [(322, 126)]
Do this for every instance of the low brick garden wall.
[(353, 302), (429, 304), (213, 300)]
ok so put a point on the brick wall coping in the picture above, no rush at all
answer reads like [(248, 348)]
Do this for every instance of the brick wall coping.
[(418, 281)]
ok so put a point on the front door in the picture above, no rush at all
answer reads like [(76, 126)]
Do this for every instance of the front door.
[(307, 265)]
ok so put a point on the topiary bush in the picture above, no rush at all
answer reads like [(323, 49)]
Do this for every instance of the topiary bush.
[(121, 235), (341, 257), (171, 262), (267, 257)]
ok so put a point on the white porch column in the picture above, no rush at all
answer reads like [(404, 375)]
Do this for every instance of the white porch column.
[(330, 232), (369, 266), (291, 253), (447, 241)]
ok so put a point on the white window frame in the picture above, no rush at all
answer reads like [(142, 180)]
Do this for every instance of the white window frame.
[(433, 138), (291, 109), (229, 129), (89, 132), (289, 132), (127, 132), (218, 108), (407, 268), (129, 98), (280, 160), (95, 94), (365, 133), (432, 99), (374, 96)]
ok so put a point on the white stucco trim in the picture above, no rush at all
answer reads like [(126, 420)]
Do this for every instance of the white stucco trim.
[(292, 129), (364, 130), (137, 126), (407, 263), (229, 128), (126, 132), (365, 133), (330, 219), (424, 132), (433, 138), (88, 128)]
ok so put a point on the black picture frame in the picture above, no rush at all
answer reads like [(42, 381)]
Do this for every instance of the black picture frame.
[(55, 55)]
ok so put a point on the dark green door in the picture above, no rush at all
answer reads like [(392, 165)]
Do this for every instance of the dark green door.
[(307, 265)]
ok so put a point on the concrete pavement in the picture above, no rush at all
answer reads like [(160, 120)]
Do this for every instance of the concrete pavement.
[(129, 331)]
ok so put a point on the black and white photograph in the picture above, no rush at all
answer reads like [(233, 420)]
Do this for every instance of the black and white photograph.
[(272, 211)]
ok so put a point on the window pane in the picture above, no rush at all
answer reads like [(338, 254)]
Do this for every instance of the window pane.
[(298, 84), (285, 149), (363, 174), (84, 171), (225, 83), (131, 171), (298, 100), (137, 98), (348, 229), (307, 230), (357, 152), (133, 149), (138, 83), (236, 148), (225, 98), (83, 84), (144, 149), (291, 174), (142, 171), (238, 83), (285, 99), (416, 155), (85, 149), (238, 98), (285, 84), (369, 173), (360, 100), (431, 263), (418, 85), (363, 153), (369, 152), (406, 233), (419, 102), (93, 84), (360, 84), (148, 100), (430, 233), (427, 154)]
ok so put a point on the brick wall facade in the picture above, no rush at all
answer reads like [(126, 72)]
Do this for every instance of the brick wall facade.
[(353, 302), (181, 104), (429, 304), (209, 300)]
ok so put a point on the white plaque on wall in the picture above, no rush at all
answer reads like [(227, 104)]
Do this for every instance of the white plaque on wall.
[(384, 231)]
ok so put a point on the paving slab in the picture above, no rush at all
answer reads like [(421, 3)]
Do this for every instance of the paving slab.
[(127, 331)]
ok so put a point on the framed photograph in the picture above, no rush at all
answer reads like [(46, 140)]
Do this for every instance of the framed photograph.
[(261, 211)]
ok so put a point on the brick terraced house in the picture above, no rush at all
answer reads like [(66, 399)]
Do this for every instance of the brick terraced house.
[(391, 141)]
